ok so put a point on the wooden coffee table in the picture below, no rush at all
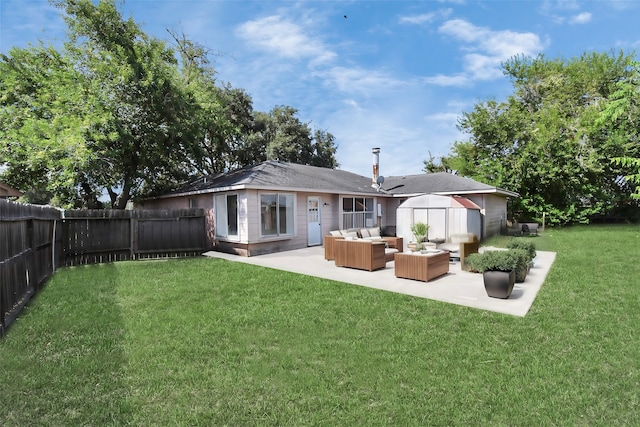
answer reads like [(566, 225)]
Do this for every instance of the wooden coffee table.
[(422, 267)]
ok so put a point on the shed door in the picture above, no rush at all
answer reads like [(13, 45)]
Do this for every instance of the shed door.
[(314, 229)]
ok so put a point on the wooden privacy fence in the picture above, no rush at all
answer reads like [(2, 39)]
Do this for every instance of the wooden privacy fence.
[(95, 236), (36, 240), (28, 254)]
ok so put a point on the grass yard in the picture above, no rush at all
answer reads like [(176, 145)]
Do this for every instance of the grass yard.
[(211, 342)]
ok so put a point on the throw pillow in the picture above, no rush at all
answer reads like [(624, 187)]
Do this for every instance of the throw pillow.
[(374, 232)]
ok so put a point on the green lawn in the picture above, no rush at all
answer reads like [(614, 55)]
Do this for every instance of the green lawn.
[(211, 342)]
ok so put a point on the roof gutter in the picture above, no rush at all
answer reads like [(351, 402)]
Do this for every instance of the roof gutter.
[(266, 188), (496, 190)]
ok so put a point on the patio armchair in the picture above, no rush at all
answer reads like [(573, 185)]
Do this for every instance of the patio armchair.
[(460, 246)]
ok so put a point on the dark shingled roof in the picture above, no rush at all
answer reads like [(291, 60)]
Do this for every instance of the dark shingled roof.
[(275, 174), (437, 183)]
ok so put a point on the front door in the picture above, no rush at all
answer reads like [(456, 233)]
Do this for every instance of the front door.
[(314, 229)]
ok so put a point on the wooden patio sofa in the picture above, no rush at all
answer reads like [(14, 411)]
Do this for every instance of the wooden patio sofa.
[(362, 254), (329, 244)]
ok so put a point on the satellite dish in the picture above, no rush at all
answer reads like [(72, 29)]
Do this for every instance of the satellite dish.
[(380, 180)]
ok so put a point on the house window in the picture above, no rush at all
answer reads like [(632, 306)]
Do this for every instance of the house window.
[(226, 213), (357, 212), (276, 214), (193, 202)]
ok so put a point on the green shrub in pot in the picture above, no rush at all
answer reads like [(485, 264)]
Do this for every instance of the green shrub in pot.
[(523, 264), (473, 261), (525, 244), (493, 261), (498, 270)]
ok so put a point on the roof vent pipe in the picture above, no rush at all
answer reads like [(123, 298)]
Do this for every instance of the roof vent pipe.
[(376, 164)]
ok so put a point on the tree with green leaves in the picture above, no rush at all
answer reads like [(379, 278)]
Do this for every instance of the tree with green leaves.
[(150, 134), (121, 113), (544, 141), (282, 136), (107, 113), (433, 164), (620, 118), (47, 112)]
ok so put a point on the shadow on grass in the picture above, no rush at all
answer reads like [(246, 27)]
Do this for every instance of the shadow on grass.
[(63, 361)]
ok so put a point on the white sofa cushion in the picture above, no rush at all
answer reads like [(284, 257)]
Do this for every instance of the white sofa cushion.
[(374, 232), (461, 238), (451, 247)]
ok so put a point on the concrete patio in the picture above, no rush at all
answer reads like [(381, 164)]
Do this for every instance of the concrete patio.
[(456, 287)]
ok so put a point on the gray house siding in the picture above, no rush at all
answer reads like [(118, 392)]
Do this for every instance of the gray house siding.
[(493, 210), (332, 186)]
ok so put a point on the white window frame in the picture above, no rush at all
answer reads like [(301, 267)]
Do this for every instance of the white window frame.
[(221, 206), (358, 217), (290, 215)]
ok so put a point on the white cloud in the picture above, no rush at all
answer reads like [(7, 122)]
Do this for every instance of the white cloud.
[(487, 48), (359, 80), (459, 79), (425, 18), (443, 120), (352, 103), (549, 5), (582, 18), (284, 38), (622, 4)]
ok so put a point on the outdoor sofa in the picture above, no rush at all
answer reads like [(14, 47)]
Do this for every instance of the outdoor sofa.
[(362, 254), (366, 234)]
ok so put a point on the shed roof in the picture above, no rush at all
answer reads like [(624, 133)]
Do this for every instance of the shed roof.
[(437, 201)]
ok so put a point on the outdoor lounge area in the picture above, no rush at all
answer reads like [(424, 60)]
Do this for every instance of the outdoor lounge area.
[(456, 286)]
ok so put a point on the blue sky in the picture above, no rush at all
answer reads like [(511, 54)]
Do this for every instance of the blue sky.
[(392, 74)]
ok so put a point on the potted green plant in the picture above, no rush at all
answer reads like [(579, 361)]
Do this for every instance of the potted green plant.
[(522, 268), (419, 230), (524, 244), (472, 262), (498, 271)]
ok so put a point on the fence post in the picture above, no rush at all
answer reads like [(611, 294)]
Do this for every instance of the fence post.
[(32, 276), (133, 230)]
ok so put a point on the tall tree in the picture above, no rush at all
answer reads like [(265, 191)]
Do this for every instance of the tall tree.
[(433, 164), (620, 121), (107, 113), (47, 111), (543, 143), (118, 112), (324, 150), (151, 133), (286, 138)]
